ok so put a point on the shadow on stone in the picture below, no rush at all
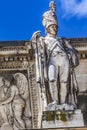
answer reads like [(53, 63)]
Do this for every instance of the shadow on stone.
[(82, 104)]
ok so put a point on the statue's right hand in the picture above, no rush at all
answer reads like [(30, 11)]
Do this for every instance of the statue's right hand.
[(35, 36)]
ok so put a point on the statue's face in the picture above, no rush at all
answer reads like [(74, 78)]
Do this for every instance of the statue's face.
[(7, 83), (52, 29)]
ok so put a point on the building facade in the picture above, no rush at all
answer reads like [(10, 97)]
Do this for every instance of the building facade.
[(18, 58)]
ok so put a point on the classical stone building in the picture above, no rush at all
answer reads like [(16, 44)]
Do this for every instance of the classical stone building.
[(18, 57), (81, 45)]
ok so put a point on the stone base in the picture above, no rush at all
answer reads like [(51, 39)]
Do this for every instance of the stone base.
[(61, 119)]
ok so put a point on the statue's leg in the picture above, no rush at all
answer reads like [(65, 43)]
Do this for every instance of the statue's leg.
[(52, 74), (63, 93), (18, 113), (64, 73), (53, 91), (3, 113)]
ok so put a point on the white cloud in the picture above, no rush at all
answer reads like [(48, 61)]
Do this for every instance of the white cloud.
[(72, 7)]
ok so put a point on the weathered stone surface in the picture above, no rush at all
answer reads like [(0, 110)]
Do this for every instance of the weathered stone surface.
[(61, 119), (6, 126)]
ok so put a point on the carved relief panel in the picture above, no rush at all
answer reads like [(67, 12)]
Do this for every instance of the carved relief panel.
[(14, 100), (18, 93)]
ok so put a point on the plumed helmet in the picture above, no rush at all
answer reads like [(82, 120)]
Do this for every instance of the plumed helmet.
[(49, 17), (52, 6)]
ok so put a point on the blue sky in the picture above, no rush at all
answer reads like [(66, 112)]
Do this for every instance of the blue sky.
[(20, 18)]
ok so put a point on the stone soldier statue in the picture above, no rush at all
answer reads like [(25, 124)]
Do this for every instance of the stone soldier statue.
[(58, 53)]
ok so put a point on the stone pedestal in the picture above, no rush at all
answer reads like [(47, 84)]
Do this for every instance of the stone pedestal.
[(61, 119)]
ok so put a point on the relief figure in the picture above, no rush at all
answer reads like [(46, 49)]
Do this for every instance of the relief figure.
[(14, 101)]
